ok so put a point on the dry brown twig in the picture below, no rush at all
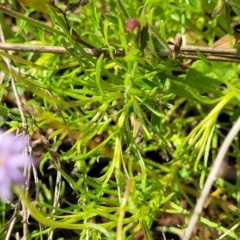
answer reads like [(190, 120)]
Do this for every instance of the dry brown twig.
[(210, 179), (186, 52), (24, 212), (55, 49)]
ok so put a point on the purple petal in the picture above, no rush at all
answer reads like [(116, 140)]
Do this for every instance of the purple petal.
[(6, 140), (19, 145), (5, 190), (12, 162), (16, 176), (3, 175), (10, 144), (18, 160)]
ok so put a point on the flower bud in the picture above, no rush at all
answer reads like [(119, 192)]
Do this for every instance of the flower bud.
[(132, 24)]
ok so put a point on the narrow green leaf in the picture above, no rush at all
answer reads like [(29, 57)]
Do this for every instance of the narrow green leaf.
[(111, 18), (39, 5), (123, 9), (98, 74)]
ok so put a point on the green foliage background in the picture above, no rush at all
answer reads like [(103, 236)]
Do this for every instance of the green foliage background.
[(137, 104)]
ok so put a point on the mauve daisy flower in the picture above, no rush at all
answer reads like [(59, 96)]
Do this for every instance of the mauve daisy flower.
[(12, 163)]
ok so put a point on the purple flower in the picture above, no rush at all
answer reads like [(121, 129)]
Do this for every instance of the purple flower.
[(12, 162)]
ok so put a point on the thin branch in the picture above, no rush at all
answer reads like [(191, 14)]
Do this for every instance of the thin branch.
[(187, 52), (56, 195), (11, 223), (10, 228), (210, 58), (54, 49), (211, 177), (24, 125), (32, 48), (228, 232), (211, 50)]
